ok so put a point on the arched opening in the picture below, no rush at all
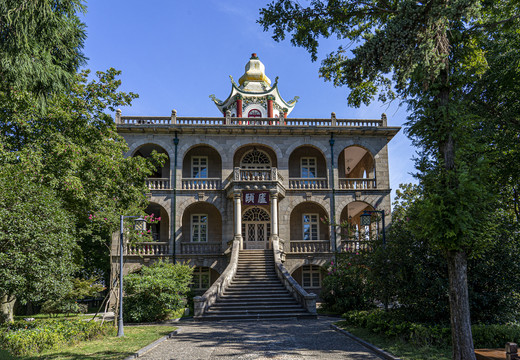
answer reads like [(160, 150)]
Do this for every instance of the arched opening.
[(160, 179), (160, 230), (256, 227), (201, 229), (356, 168), (307, 168), (254, 113), (202, 169), (255, 163), (309, 233), (353, 235), (310, 277)]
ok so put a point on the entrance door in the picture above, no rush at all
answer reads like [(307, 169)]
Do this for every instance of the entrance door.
[(256, 228)]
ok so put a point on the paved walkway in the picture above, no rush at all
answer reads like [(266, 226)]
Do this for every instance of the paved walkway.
[(303, 339)]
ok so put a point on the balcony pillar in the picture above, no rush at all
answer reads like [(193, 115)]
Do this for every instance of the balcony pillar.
[(237, 196), (274, 215)]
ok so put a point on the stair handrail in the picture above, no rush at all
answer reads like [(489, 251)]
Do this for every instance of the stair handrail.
[(202, 303), (307, 300)]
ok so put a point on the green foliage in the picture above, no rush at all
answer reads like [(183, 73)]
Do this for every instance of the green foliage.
[(41, 45), (346, 287), (37, 236), (392, 324), (24, 338), (66, 302), (154, 292)]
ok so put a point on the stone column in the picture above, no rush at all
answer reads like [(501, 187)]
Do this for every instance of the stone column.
[(237, 196), (274, 214)]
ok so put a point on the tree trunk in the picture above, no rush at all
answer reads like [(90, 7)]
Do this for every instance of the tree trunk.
[(459, 306), (7, 309)]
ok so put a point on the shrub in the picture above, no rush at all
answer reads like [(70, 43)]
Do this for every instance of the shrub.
[(67, 302), (24, 338), (154, 292)]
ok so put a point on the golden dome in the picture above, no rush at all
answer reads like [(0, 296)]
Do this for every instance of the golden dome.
[(255, 71)]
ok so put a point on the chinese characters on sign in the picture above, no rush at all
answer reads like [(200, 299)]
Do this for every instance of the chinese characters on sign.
[(255, 197)]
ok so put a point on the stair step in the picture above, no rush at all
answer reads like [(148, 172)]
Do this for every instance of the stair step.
[(254, 307), (256, 311)]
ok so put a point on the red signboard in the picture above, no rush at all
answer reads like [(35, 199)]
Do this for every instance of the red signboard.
[(255, 197)]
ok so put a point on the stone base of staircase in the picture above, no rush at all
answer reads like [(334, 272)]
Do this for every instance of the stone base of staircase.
[(256, 293)]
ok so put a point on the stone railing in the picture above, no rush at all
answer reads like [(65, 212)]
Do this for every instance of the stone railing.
[(310, 246), (230, 121), (201, 184), (353, 246), (202, 303), (158, 183), (357, 183), (271, 174), (308, 184), (200, 248), (151, 248), (308, 301)]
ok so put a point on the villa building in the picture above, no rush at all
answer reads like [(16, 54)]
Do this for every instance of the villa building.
[(257, 179)]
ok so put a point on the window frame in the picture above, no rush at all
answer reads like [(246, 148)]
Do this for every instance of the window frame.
[(311, 271), (198, 273), (199, 225), (256, 110), (311, 223), (199, 166), (308, 167)]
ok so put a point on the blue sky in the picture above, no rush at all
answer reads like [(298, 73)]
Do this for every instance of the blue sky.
[(174, 54)]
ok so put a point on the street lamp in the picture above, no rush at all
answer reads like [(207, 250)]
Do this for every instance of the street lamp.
[(139, 225), (366, 220)]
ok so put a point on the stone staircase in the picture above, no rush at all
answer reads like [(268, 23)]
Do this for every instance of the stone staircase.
[(256, 292)]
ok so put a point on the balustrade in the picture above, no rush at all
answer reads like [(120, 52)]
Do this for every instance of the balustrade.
[(357, 183), (308, 184), (201, 248), (201, 184), (257, 174), (355, 246), (158, 183), (310, 246), (148, 248)]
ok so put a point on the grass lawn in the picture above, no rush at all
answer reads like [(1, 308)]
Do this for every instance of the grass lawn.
[(398, 347), (108, 348)]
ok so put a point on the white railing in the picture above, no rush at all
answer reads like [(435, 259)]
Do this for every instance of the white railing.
[(256, 174), (306, 183), (355, 246), (222, 121), (201, 184), (201, 248), (148, 248), (308, 301), (357, 183), (310, 246), (158, 183)]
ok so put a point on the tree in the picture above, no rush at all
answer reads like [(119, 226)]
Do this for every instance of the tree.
[(40, 50), (37, 238), (432, 51)]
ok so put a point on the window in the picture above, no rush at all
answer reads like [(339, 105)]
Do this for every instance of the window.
[(254, 113), (311, 276), (201, 278), (199, 167), (199, 228), (310, 226), (308, 167)]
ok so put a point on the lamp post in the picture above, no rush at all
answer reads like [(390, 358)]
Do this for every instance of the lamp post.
[(139, 224), (366, 220)]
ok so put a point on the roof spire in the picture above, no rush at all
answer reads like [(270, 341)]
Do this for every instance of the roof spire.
[(254, 78)]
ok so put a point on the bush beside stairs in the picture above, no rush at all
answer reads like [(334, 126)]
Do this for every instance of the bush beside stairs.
[(256, 292)]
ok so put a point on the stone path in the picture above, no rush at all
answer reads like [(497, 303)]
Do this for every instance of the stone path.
[(291, 339)]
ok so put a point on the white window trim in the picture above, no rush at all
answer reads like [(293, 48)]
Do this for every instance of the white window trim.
[(317, 223), (193, 166), (315, 167), (311, 269), (198, 224)]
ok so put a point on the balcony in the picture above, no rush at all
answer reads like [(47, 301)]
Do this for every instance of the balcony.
[(200, 248), (357, 184), (254, 175), (158, 183), (150, 248), (308, 183), (309, 246), (201, 184)]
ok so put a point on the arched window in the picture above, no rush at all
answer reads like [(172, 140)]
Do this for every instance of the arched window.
[(254, 113)]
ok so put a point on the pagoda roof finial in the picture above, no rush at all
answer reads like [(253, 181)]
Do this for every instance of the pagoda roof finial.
[(254, 77)]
